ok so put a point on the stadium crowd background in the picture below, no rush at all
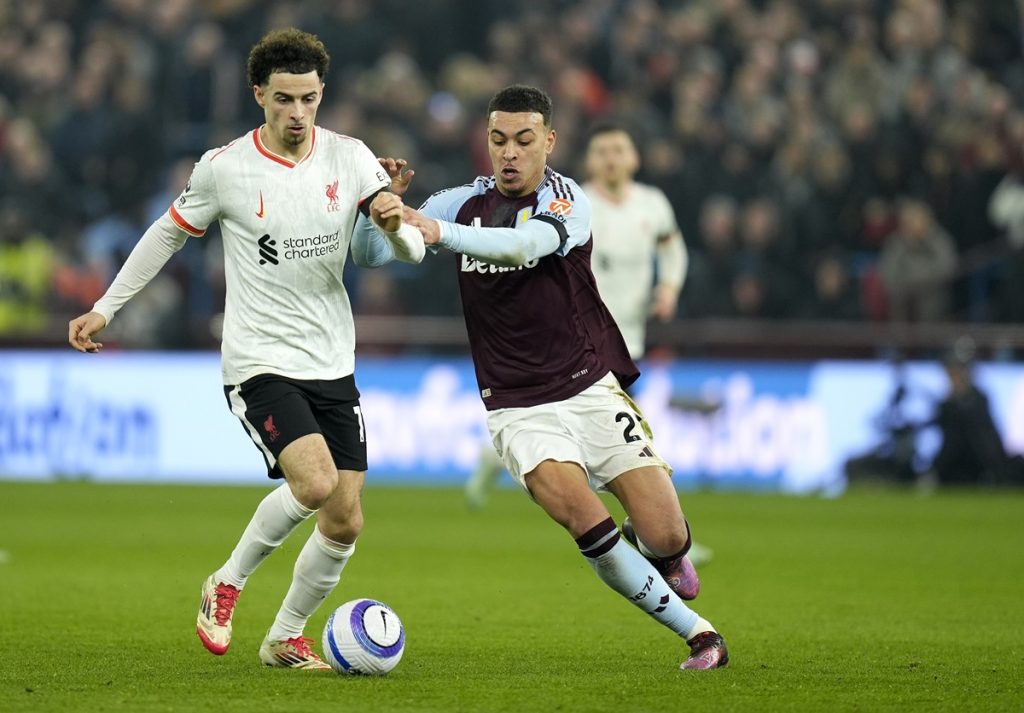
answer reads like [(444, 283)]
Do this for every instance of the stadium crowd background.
[(842, 159)]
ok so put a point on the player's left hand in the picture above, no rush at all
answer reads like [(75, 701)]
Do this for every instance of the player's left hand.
[(386, 211), (400, 178), (664, 302), (428, 226), (82, 329)]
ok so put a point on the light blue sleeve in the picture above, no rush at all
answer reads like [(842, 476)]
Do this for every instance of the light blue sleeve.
[(507, 247), (369, 247), (561, 202), (444, 205)]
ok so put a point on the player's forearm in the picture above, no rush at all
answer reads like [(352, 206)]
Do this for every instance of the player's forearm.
[(508, 247), (373, 247), (406, 243), (673, 262), (154, 249), (369, 246)]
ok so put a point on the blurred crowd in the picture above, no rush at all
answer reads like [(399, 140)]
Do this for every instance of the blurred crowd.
[(841, 159)]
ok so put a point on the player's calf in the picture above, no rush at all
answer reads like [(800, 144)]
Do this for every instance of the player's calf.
[(676, 570)]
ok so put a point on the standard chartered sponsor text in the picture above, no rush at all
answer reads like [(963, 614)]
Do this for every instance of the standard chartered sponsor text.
[(316, 246)]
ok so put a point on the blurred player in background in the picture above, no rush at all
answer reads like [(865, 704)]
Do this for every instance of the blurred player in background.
[(552, 366), (635, 231), (288, 197)]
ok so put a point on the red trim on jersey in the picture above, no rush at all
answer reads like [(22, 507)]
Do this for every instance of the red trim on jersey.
[(223, 150), (281, 159), (184, 224)]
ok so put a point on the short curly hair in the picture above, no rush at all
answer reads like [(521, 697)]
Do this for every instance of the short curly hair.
[(520, 98), (292, 51)]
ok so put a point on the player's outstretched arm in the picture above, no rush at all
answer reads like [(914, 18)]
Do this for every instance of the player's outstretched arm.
[(82, 329), (150, 254), (508, 247)]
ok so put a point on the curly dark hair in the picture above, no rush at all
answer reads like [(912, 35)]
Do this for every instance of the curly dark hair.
[(522, 98), (292, 51)]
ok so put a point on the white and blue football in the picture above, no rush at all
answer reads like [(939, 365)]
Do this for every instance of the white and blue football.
[(363, 636)]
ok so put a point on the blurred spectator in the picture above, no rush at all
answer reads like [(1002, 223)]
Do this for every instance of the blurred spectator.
[(713, 261), (835, 294), (1006, 211), (972, 450), (27, 264), (917, 265)]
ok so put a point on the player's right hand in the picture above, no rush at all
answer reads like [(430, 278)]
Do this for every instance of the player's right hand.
[(429, 227), (386, 211), (81, 329), (400, 178)]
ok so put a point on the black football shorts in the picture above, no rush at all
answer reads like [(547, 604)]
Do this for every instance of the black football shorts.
[(276, 410)]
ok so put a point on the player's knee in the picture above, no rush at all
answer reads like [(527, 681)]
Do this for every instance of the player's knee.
[(345, 529), (314, 491)]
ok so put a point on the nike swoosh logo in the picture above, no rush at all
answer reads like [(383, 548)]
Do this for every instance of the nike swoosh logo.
[(260, 212)]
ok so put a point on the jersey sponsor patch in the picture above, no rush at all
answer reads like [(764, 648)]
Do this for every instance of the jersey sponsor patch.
[(471, 264), (560, 206)]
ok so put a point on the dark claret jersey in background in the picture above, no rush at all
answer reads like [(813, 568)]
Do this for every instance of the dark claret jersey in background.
[(539, 333)]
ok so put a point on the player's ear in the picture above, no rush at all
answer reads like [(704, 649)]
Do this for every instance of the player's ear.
[(257, 92), (549, 142)]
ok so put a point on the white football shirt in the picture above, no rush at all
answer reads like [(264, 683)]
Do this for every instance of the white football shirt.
[(626, 236), (286, 226)]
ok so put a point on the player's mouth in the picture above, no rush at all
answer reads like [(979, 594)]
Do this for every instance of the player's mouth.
[(296, 130), (509, 173)]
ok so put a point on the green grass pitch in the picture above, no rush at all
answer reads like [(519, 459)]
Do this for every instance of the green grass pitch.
[(874, 601)]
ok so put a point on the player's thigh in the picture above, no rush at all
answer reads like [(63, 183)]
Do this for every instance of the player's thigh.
[(563, 491), (341, 517), (613, 433), (308, 467), (277, 415), (526, 437), (649, 498)]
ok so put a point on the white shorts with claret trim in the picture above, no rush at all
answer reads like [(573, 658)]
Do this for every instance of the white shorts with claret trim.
[(601, 429)]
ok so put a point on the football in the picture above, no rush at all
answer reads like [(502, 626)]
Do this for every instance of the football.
[(363, 636)]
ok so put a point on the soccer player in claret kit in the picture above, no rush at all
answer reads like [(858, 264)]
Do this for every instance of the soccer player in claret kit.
[(288, 196), (552, 366)]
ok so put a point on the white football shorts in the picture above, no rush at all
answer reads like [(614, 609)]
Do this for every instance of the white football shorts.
[(601, 429)]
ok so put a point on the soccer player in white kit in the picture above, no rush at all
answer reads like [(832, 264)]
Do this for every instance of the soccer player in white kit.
[(289, 196), (634, 229)]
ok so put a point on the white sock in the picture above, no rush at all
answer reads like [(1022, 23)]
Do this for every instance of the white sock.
[(317, 572), (627, 572), (276, 516)]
